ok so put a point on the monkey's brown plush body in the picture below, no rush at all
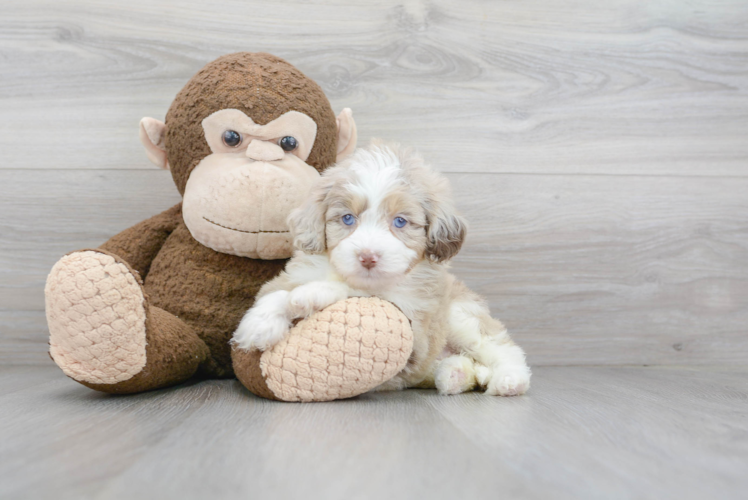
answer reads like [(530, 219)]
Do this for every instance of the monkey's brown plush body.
[(158, 303)]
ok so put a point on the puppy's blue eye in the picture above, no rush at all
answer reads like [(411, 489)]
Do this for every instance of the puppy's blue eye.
[(348, 219), (399, 222)]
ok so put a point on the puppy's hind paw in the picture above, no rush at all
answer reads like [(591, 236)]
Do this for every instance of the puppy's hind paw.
[(482, 375), (455, 375), (509, 381), (265, 324)]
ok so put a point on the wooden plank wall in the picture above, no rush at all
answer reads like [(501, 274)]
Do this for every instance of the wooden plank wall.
[(599, 149)]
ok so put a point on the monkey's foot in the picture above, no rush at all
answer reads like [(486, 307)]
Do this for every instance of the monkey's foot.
[(345, 350), (96, 312)]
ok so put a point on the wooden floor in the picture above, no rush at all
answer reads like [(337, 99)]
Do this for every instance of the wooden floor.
[(599, 150), (582, 433)]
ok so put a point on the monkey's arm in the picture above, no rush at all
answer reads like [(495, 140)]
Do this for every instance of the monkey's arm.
[(140, 244)]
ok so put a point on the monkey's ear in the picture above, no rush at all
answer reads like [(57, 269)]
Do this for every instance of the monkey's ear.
[(152, 134), (347, 135)]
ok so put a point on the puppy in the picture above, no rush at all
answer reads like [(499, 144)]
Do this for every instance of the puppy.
[(383, 224)]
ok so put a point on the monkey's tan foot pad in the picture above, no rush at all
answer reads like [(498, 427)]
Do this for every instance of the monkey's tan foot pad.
[(342, 351), (96, 314)]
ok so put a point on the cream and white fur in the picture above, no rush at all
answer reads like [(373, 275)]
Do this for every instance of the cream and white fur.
[(349, 244)]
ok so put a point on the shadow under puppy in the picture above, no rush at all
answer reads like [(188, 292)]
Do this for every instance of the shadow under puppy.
[(383, 224)]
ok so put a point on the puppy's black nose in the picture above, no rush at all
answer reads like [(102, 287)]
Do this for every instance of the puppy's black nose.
[(368, 259)]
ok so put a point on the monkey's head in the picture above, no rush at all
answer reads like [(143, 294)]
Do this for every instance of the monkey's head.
[(245, 141)]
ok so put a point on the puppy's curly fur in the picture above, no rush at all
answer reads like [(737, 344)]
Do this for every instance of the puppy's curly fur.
[(382, 223)]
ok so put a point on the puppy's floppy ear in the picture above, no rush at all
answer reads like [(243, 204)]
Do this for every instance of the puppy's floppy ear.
[(445, 229), (307, 223), (445, 234)]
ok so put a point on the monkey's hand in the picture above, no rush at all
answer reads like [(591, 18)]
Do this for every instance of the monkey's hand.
[(140, 244)]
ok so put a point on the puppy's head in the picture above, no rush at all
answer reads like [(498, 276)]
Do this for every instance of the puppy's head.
[(377, 215)]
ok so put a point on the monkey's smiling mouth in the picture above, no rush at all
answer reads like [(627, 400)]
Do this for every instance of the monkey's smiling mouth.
[(241, 230)]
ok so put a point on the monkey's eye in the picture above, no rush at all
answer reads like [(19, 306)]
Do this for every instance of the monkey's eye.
[(288, 143), (399, 222), (349, 219), (231, 139)]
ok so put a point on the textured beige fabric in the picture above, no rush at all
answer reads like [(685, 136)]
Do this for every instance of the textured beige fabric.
[(238, 206), (293, 123), (152, 137), (96, 317), (340, 352), (347, 134)]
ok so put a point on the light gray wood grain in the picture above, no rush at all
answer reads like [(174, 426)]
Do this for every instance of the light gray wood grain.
[(598, 149), (623, 427), (624, 86), (24, 338), (595, 432), (623, 269), (583, 269)]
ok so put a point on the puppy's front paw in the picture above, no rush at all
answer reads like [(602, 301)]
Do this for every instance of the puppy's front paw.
[(265, 324), (509, 381), (312, 297)]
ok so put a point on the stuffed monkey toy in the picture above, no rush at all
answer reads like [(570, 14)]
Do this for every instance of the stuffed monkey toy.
[(245, 140)]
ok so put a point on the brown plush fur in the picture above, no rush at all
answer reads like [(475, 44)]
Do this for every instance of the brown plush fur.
[(261, 85), (249, 373), (140, 244), (195, 296), (174, 351), (208, 290)]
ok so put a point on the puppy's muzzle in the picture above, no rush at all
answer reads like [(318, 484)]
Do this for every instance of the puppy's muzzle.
[(368, 259)]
